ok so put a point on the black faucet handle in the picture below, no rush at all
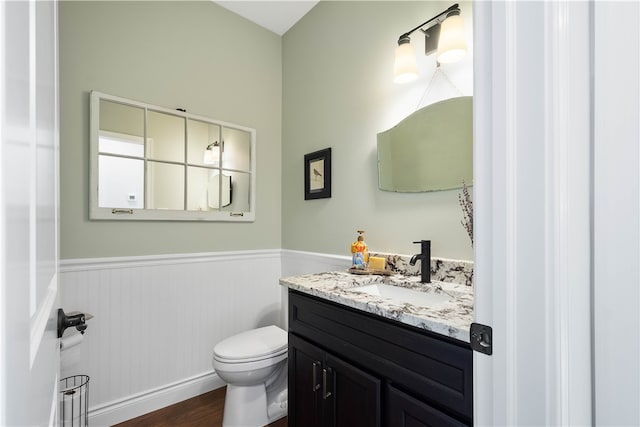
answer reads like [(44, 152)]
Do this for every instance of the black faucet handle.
[(425, 260)]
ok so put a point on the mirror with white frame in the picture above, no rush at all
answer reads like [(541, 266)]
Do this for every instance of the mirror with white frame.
[(153, 163)]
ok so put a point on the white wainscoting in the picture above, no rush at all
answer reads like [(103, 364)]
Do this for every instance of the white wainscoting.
[(295, 263), (157, 319), (298, 262)]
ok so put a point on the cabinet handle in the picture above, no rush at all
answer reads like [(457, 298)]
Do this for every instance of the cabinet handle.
[(316, 384), (325, 393)]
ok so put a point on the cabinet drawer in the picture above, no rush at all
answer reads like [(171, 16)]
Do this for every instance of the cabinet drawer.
[(433, 368)]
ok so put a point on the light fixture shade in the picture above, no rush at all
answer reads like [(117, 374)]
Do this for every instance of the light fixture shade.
[(405, 68), (452, 45)]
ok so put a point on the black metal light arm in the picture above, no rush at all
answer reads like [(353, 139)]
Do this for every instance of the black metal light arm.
[(408, 33)]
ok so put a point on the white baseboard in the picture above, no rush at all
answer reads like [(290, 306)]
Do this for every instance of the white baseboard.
[(152, 400)]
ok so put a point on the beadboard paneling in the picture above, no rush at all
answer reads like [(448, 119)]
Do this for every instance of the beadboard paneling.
[(157, 318), (299, 262)]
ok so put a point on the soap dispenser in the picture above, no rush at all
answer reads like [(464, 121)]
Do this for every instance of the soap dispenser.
[(359, 253)]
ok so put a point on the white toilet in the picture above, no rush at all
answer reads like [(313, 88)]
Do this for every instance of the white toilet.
[(254, 366)]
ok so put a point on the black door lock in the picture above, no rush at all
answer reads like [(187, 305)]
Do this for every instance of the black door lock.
[(481, 338)]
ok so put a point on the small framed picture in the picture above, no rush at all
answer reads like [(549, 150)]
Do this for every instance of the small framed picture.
[(317, 175)]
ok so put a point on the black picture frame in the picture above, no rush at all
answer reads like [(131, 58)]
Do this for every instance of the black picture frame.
[(317, 175)]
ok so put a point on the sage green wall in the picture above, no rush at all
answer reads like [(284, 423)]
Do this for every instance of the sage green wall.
[(192, 55), (338, 92)]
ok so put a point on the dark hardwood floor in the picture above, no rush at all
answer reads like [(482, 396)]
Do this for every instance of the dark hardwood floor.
[(201, 411)]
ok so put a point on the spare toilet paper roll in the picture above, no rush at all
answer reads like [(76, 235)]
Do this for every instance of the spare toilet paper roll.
[(70, 349), (73, 407)]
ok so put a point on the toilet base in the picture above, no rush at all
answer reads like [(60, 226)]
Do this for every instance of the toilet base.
[(277, 410), (245, 406)]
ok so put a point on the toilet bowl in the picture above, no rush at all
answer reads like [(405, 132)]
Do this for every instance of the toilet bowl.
[(254, 366)]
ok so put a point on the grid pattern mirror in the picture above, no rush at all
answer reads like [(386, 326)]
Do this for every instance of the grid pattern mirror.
[(153, 163)]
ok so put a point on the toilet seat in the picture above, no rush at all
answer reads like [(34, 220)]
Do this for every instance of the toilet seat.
[(250, 359), (246, 366), (252, 346)]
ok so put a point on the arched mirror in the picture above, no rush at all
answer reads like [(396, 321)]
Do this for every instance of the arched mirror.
[(430, 150), (153, 163)]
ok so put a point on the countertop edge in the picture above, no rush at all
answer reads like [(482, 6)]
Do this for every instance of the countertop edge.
[(406, 314)]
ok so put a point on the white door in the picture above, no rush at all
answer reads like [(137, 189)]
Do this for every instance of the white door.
[(29, 359)]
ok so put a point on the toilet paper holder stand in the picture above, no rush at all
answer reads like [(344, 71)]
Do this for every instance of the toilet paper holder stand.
[(77, 319)]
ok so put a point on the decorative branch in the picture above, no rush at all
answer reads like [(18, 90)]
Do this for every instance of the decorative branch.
[(467, 210)]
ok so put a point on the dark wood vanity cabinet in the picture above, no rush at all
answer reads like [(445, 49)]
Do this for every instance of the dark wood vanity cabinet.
[(350, 368), (330, 391)]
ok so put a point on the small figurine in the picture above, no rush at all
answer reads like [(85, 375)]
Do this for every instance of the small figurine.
[(360, 253)]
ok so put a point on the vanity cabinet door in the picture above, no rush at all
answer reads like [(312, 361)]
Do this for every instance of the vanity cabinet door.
[(305, 383), (406, 411), (355, 400), (326, 391)]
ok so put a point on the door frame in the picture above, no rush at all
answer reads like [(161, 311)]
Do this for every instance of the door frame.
[(616, 204), (532, 194)]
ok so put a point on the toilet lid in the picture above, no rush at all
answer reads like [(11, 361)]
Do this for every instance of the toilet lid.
[(253, 344)]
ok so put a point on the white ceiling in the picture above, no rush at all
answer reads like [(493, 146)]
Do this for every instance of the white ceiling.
[(277, 16)]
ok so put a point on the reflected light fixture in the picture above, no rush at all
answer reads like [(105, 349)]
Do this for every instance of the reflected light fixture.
[(212, 154), (445, 36)]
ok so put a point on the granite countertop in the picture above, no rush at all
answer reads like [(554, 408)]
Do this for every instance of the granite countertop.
[(451, 318)]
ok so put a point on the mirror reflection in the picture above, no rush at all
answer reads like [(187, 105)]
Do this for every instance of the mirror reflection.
[(165, 137), (153, 163), (201, 135), (430, 150)]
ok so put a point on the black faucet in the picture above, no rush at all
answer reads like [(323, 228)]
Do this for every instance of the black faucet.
[(425, 260)]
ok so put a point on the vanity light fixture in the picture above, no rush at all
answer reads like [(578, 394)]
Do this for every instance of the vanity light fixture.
[(445, 36), (212, 154)]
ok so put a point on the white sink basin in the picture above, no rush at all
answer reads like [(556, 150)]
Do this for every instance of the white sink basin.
[(402, 295)]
